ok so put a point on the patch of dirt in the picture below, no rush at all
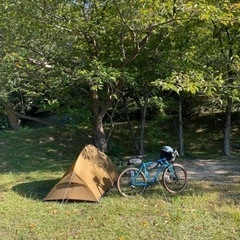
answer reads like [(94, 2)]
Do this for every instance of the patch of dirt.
[(211, 170)]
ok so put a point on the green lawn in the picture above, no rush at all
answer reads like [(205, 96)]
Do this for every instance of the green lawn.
[(32, 161)]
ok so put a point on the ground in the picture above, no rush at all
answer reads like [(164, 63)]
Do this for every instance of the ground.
[(213, 170)]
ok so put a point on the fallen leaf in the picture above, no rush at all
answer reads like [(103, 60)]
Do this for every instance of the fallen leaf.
[(32, 225), (144, 223)]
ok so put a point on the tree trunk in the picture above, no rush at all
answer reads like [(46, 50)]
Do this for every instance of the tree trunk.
[(100, 138), (143, 122), (227, 129), (13, 119), (130, 128), (138, 145), (180, 127)]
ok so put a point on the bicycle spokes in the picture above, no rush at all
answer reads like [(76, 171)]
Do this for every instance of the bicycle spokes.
[(175, 178), (131, 182)]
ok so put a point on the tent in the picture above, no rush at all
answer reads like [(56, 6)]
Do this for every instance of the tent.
[(92, 174)]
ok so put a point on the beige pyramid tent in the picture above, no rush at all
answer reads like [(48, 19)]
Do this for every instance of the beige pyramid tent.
[(87, 179)]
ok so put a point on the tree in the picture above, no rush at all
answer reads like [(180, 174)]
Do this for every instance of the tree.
[(228, 33), (224, 58), (78, 54), (82, 39), (139, 90), (155, 58), (215, 61)]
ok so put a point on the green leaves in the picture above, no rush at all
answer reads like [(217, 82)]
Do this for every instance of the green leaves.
[(53, 50), (190, 82), (98, 75)]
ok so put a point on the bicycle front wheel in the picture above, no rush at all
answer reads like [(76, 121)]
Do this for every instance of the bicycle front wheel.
[(174, 178), (131, 182)]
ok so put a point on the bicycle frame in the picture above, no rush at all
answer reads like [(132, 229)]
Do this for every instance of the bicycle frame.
[(134, 179), (163, 163)]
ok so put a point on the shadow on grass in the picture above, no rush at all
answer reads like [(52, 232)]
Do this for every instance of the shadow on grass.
[(228, 193), (45, 149), (36, 190)]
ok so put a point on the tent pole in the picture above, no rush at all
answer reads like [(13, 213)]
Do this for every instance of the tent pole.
[(67, 188)]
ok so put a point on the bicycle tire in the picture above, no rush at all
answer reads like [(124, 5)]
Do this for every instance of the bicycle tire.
[(128, 189), (175, 182)]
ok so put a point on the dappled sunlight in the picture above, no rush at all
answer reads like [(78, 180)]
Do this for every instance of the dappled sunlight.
[(223, 193), (201, 130), (213, 170), (33, 162), (44, 149)]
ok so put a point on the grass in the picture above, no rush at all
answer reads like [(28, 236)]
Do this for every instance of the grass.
[(32, 161)]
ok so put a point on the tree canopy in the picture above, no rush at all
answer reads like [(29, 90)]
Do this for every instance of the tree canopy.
[(79, 57)]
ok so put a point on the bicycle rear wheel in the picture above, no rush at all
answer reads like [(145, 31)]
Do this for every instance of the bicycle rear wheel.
[(174, 178), (131, 182)]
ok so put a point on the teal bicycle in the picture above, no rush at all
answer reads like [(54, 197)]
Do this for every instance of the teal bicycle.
[(134, 180)]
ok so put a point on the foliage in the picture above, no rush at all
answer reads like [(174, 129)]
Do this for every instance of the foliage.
[(69, 56), (4, 124)]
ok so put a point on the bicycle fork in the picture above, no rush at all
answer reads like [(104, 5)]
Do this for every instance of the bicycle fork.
[(173, 175)]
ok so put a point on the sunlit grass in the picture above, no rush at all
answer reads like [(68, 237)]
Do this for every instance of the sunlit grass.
[(32, 161), (194, 214)]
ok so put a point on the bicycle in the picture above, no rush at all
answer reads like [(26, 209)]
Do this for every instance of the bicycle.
[(133, 181)]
